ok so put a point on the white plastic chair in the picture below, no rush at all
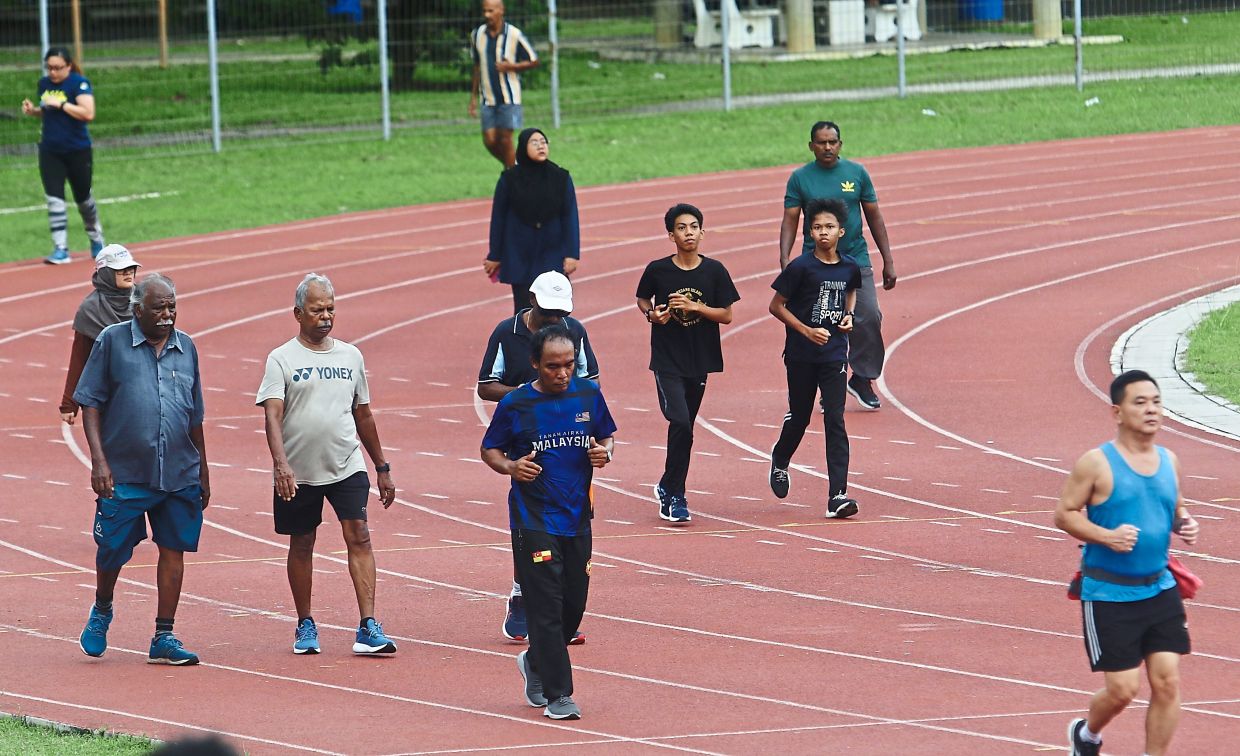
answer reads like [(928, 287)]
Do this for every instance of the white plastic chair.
[(880, 22)]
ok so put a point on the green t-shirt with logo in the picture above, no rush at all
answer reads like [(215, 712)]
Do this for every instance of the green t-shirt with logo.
[(847, 181)]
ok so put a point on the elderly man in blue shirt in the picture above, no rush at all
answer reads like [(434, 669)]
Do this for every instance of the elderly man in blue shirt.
[(142, 410)]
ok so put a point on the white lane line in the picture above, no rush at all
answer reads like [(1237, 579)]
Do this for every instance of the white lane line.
[(407, 535), (223, 506), (945, 524), (653, 572), (767, 425), (894, 517), (894, 477), (15, 476), (997, 530), (708, 454), (1044, 497), (6, 519), (468, 459), (720, 535), (51, 527), (858, 438), (449, 420), (218, 464), (901, 442), (699, 493), (996, 491), (479, 502), (822, 550), (227, 427), (875, 557), (1049, 538), (21, 435), (398, 379), (771, 543), (948, 447), (254, 470), (746, 498), (454, 543), (1201, 477), (618, 522), (637, 409), (55, 482), (431, 454), (945, 485), (755, 459), (1046, 459), (794, 504), (721, 420), (434, 496), (38, 399), (1208, 517), (439, 384)]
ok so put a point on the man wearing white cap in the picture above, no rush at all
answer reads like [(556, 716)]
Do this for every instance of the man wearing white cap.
[(506, 366), (115, 270)]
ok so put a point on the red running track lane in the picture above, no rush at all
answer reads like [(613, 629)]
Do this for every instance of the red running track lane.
[(935, 622)]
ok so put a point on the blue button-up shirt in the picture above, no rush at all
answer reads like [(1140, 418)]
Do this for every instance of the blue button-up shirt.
[(147, 405)]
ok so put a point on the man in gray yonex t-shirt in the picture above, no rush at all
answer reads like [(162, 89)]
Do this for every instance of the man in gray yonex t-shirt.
[(317, 406)]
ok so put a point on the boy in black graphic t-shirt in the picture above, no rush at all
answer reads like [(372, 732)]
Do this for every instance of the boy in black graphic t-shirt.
[(814, 299), (684, 297)]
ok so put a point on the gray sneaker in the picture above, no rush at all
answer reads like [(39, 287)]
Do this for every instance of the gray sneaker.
[(563, 708), (533, 685)]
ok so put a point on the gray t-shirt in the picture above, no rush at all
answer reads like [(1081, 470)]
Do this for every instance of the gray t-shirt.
[(320, 391)]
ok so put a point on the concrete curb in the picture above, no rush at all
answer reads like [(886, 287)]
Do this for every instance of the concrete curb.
[(1157, 346)]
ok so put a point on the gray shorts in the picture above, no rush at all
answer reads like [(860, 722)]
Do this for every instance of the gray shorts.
[(504, 116)]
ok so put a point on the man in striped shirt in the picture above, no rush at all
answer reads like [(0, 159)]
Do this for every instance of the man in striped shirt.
[(500, 52)]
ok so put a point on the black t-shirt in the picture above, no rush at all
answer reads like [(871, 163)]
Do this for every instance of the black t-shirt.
[(507, 359), (687, 346), (816, 294)]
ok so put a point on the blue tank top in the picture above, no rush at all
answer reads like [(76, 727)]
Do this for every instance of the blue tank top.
[(1146, 501)]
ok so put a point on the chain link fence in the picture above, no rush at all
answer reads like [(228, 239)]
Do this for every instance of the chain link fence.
[(311, 69)]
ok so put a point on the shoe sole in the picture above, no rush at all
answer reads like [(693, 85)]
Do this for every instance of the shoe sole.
[(534, 704), (361, 649), (571, 715), (310, 651), (170, 662), (65, 261), (674, 520), (844, 512), (578, 640), (93, 656), (864, 404)]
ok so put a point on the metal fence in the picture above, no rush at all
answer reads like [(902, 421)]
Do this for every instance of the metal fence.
[(289, 70)]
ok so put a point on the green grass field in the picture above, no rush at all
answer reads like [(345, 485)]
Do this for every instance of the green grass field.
[(16, 737), (257, 182), (1214, 353)]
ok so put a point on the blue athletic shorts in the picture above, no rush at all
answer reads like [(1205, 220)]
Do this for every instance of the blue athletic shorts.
[(502, 117), (120, 522)]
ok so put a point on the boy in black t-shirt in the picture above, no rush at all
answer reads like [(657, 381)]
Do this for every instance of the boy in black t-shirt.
[(814, 299), (684, 297)]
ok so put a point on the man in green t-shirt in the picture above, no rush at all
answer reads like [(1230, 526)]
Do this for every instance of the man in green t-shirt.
[(830, 176)]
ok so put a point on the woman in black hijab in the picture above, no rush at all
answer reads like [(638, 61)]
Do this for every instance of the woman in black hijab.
[(534, 225), (115, 271)]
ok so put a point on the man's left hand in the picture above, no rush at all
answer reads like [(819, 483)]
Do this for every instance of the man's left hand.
[(599, 456), (889, 276), (1188, 530), (205, 484), (570, 266), (387, 489)]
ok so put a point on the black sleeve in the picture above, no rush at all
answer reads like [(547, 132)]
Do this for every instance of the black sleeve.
[(491, 370), (725, 290), (647, 286)]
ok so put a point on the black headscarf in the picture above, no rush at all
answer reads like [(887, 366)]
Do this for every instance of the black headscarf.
[(537, 189), (102, 307)]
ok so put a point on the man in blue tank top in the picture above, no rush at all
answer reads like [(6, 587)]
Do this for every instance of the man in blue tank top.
[(1123, 501)]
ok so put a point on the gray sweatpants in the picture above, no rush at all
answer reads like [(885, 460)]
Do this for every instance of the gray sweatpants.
[(865, 344)]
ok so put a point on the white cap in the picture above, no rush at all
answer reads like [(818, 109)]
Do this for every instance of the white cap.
[(552, 291), (116, 257)]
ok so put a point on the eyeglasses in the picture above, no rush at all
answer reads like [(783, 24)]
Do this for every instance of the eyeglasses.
[(61, 67), (538, 142)]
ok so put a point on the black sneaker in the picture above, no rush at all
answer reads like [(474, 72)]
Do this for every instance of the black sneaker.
[(863, 392), (779, 481), (1081, 746), (840, 507)]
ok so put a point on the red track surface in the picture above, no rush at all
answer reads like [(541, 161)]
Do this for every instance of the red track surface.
[(933, 623)]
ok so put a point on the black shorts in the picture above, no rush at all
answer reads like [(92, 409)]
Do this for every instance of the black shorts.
[(305, 512), (1120, 634)]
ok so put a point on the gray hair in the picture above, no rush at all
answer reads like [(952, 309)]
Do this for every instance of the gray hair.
[(138, 292), (299, 300)]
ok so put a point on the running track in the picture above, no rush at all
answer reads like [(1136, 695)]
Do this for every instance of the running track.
[(933, 623)]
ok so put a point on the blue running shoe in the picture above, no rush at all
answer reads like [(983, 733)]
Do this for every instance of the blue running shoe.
[(306, 638), (515, 626), (371, 640), (59, 256), (166, 649), (94, 640), (95, 248), (672, 508)]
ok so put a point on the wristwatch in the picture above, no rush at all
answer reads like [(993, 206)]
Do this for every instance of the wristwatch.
[(385, 467)]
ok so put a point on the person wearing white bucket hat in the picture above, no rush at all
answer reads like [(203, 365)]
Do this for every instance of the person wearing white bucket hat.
[(108, 303)]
